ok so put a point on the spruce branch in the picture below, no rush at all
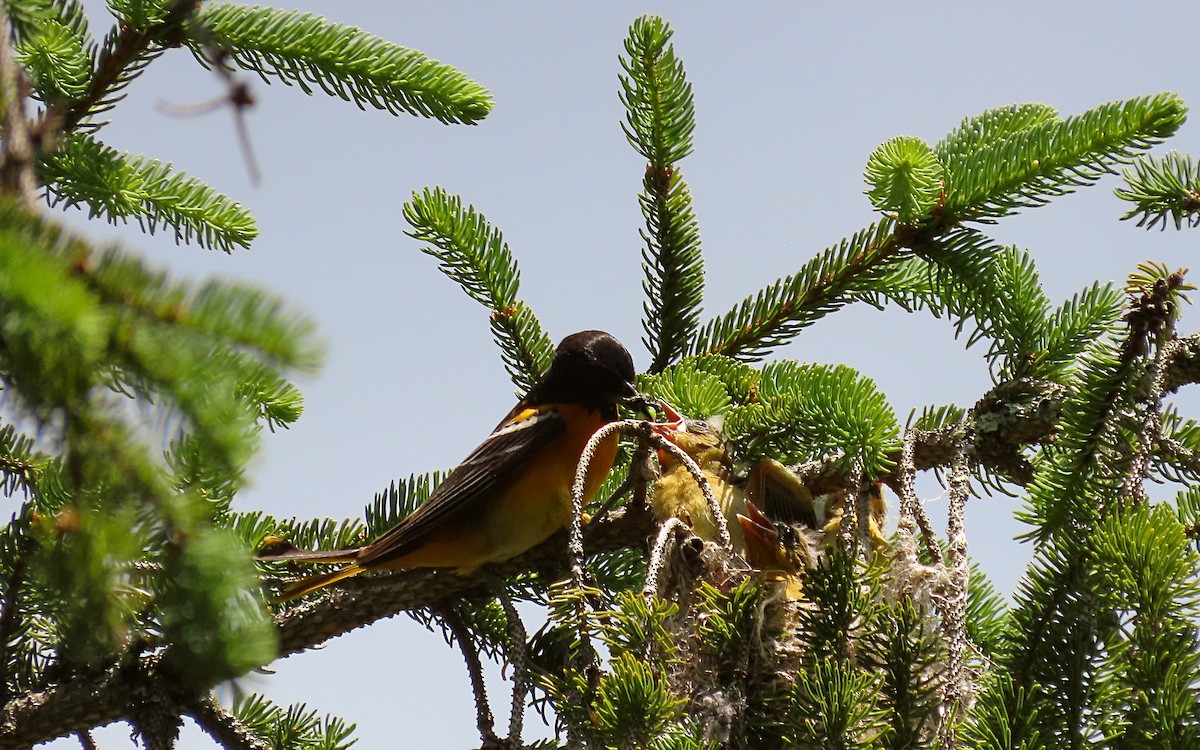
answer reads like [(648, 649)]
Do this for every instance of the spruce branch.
[(780, 311), (672, 264), (1050, 157), (1149, 433), (801, 412), (1184, 368), (972, 278), (1080, 480), (145, 31), (365, 599), (292, 728), (1162, 189), (10, 606), (58, 60), (21, 467), (659, 121), (30, 18), (1006, 169), (305, 50), (120, 187), (224, 727), (660, 116), (474, 255), (1071, 327), (905, 179), (1155, 296), (1061, 617), (992, 126)]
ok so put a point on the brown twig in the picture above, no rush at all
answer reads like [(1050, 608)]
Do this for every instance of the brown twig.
[(466, 645), (910, 503), (658, 554), (1150, 431), (17, 156), (953, 603), (518, 657)]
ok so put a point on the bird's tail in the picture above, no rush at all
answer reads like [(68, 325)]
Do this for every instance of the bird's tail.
[(309, 584), (314, 556), (274, 549)]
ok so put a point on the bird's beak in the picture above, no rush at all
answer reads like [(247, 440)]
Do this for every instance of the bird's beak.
[(754, 519), (646, 404)]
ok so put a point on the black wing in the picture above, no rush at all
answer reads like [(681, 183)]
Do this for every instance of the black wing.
[(479, 476)]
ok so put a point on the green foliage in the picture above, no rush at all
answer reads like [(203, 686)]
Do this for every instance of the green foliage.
[(306, 50), (1000, 289), (120, 187), (789, 411), (640, 626), (1163, 188), (805, 411), (1004, 717), (1187, 507), (935, 417), (133, 404), (57, 57), (80, 80), (213, 627), (292, 728), (142, 15), (1147, 576), (1031, 158), (904, 178), (990, 127), (829, 709), (633, 704), (727, 630), (121, 540), (475, 255), (987, 614), (904, 650), (660, 118), (689, 388), (400, 498), (783, 309)]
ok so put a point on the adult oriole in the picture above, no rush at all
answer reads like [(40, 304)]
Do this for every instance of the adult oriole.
[(514, 490)]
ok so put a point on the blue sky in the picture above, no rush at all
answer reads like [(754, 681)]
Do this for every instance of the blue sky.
[(791, 98)]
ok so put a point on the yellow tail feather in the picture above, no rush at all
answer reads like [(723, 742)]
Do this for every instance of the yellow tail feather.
[(309, 584)]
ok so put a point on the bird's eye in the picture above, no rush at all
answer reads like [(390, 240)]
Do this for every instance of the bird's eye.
[(698, 426)]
